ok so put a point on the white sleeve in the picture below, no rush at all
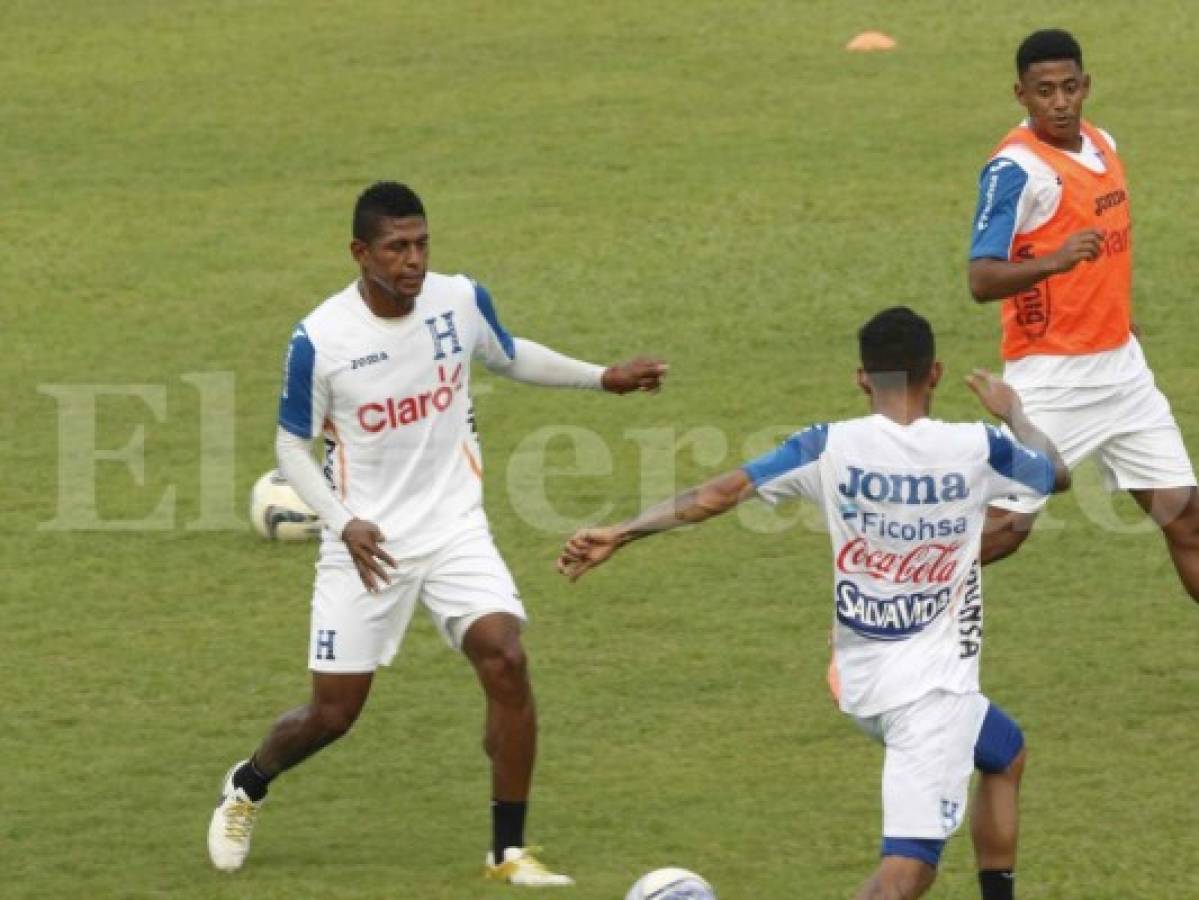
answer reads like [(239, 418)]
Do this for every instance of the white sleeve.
[(302, 473), (534, 364), (523, 360)]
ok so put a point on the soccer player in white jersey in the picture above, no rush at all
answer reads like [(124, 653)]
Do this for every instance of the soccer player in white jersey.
[(904, 498), (381, 373), (1052, 241)]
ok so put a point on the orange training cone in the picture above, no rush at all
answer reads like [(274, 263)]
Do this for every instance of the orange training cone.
[(871, 40)]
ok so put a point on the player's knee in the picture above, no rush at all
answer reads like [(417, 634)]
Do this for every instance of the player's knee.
[(504, 671), (1183, 531), (912, 885), (901, 884)]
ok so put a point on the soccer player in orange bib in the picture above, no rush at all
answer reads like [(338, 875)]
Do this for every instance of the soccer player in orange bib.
[(1052, 240)]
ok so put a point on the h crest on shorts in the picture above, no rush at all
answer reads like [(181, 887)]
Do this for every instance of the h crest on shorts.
[(949, 815), (325, 638)]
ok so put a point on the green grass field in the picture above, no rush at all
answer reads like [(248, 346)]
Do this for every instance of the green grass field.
[(716, 182)]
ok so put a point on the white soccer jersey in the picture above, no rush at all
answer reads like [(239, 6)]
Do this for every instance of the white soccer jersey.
[(905, 507), (392, 400)]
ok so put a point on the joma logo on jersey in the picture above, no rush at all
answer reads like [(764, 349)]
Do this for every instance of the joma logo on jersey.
[(910, 489), (369, 360), (393, 413), (1107, 201)]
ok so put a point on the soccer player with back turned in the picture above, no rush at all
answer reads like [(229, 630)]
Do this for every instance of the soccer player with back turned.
[(904, 498), (381, 372), (1053, 242)]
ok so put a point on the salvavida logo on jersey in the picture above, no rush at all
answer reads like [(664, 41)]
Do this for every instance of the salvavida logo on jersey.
[(891, 618), (396, 413)]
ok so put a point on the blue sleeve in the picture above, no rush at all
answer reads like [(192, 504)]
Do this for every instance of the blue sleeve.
[(487, 310), (801, 449), (295, 402), (1021, 464), (999, 191)]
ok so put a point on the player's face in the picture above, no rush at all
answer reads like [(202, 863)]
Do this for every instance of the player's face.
[(398, 255), (1053, 93)]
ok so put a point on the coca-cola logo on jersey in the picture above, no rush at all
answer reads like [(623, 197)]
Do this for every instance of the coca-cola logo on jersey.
[(930, 563)]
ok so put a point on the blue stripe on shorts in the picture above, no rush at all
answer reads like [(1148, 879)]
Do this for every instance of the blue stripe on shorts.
[(927, 850), (1000, 741)]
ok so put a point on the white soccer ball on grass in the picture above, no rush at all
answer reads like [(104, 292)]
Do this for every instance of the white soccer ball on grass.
[(278, 513), (671, 884)]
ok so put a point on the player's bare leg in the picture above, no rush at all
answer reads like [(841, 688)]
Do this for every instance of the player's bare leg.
[(1004, 532), (337, 699), (995, 822), (1176, 511), (493, 646), (898, 878)]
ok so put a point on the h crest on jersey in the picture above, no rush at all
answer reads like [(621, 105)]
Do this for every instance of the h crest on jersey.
[(442, 333)]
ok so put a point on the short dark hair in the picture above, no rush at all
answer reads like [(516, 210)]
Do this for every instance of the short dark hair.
[(384, 200), (898, 340), (1049, 45)]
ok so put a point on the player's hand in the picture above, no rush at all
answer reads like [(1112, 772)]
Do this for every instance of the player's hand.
[(644, 373), (1082, 246), (362, 540), (588, 548), (997, 396)]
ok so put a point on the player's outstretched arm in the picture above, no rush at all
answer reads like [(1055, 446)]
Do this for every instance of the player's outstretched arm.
[(590, 547), (1001, 400), (532, 363), (997, 279)]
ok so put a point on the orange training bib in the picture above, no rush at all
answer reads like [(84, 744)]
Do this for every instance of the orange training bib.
[(1088, 309)]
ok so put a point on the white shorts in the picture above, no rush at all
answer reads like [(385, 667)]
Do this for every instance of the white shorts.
[(354, 630), (1129, 427), (929, 759)]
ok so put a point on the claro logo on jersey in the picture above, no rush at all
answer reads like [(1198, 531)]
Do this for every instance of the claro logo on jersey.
[(396, 413)]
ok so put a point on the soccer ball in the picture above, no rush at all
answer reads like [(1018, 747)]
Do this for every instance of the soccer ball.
[(671, 884), (278, 513)]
